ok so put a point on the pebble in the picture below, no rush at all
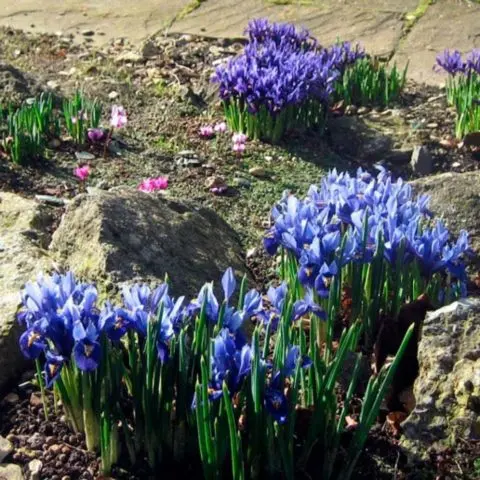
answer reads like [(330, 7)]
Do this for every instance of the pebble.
[(128, 57), (257, 172), (52, 84), (84, 156), (113, 95), (55, 449), (456, 164), (421, 161), (34, 468), (268, 158), (11, 398), (5, 448), (432, 125), (214, 182), (351, 110), (242, 182), (251, 252), (363, 110), (187, 153), (11, 472), (54, 143), (35, 399), (88, 33), (36, 441)]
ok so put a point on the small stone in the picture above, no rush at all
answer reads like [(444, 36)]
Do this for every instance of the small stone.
[(187, 153), (17, 52), (363, 110), (351, 110), (11, 398), (66, 477), (5, 448), (421, 161), (251, 252), (447, 143), (149, 49), (55, 449), (113, 95), (11, 472), (268, 158), (52, 84), (34, 468), (432, 125), (242, 182), (128, 57), (88, 33), (456, 164), (36, 441), (84, 156), (214, 182), (258, 172), (54, 143), (35, 399)]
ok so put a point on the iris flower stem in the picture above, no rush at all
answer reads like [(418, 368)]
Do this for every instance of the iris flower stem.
[(41, 384)]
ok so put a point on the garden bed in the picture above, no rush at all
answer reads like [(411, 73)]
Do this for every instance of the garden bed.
[(168, 97)]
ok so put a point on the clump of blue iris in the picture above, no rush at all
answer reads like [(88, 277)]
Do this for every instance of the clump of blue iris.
[(344, 219)]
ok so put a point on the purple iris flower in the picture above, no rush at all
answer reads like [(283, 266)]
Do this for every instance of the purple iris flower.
[(87, 351), (451, 62), (473, 61), (276, 404), (53, 367), (307, 305), (33, 341), (228, 283)]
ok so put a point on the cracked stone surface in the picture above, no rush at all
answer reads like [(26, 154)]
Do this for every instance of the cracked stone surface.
[(446, 24), (378, 24)]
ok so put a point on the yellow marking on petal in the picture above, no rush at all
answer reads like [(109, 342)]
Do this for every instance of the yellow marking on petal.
[(33, 337), (88, 349)]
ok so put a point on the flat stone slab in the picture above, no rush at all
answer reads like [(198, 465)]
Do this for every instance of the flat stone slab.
[(377, 24), (446, 24), (99, 21)]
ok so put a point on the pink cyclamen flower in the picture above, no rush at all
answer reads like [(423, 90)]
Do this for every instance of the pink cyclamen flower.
[(239, 138), (150, 185), (239, 148), (220, 127), (119, 117), (95, 135), (82, 173), (206, 131)]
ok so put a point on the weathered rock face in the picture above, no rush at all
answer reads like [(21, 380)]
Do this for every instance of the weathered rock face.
[(447, 390), (21, 257), (455, 197), (128, 235)]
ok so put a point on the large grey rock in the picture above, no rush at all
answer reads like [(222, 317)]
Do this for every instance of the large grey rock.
[(21, 257), (129, 235), (10, 472), (455, 197), (447, 390)]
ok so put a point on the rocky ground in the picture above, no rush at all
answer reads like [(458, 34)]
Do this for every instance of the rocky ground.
[(165, 89)]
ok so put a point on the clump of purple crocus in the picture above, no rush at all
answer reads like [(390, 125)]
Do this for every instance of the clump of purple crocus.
[(452, 62), (96, 135)]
